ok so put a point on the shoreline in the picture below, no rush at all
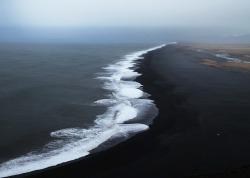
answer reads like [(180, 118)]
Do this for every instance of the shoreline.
[(124, 103), (182, 141)]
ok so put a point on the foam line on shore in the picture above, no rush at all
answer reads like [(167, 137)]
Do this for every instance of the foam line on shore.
[(124, 104)]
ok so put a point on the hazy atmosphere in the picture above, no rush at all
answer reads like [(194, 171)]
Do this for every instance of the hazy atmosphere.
[(131, 88), (29, 19), (71, 19)]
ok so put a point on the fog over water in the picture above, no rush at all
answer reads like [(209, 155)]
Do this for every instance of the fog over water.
[(126, 21)]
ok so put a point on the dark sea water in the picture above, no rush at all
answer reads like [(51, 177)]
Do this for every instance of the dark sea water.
[(60, 101)]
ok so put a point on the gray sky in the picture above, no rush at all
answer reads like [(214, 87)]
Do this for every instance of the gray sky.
[(234, 14), (136, 20)]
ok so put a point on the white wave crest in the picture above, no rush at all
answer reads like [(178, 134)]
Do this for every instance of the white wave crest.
[(73, 143)]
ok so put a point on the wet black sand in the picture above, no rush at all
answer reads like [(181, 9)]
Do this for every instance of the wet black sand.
[(203, 126)]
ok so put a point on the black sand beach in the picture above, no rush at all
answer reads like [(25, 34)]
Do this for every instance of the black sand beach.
[(203, 126)]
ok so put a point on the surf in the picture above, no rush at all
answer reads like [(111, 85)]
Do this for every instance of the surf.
[(125, 103)]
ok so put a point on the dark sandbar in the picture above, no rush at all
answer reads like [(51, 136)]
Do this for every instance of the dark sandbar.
[(203, 125)]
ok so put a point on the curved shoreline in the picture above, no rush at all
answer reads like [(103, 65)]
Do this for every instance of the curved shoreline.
[(128, 62), (183, 139)]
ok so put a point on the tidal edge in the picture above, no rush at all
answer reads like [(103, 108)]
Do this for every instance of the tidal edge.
[(162, 151)]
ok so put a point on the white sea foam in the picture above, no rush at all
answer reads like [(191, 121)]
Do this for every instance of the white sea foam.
[(106, 102), (130, 92), (89, 139), (124, 105)]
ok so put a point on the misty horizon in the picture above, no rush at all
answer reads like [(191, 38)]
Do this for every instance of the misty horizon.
[(225, 21), (118, 35)]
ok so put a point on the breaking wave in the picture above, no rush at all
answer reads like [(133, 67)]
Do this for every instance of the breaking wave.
[(125, 103)]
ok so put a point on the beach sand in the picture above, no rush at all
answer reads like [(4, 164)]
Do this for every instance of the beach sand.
[(241, 52), (203, 126), (233, 49)]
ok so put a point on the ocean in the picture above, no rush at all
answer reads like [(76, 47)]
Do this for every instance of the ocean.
[(59, 102)]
